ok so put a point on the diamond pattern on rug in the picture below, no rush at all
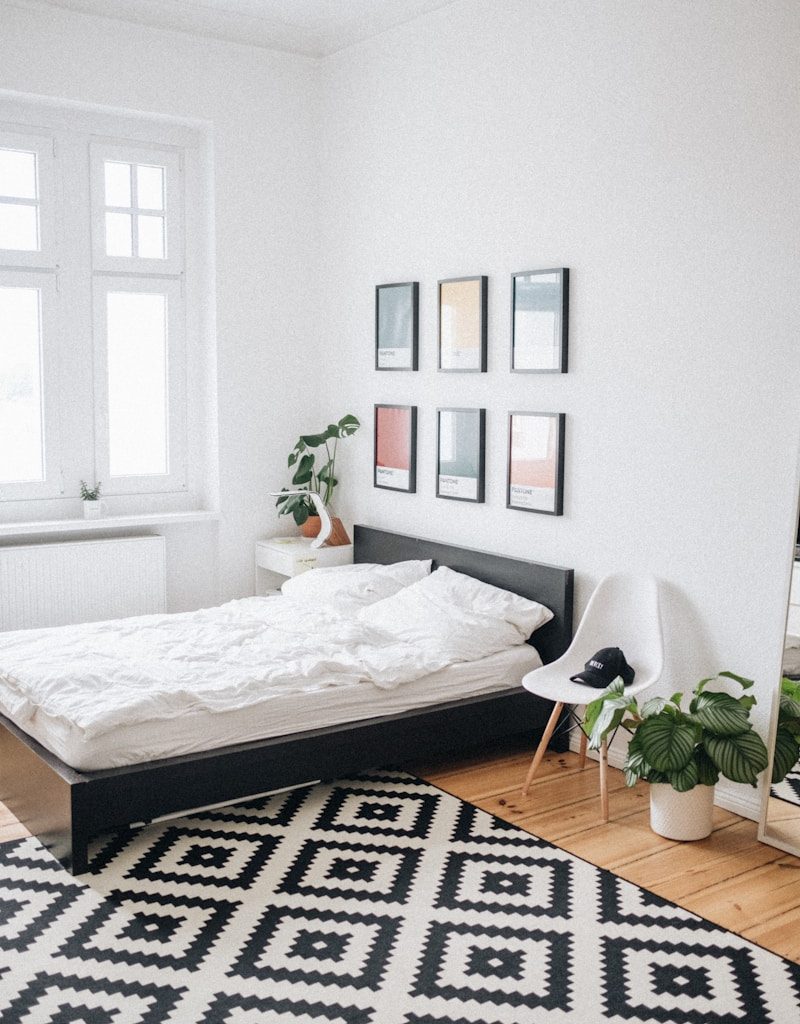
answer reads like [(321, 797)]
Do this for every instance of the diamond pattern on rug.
[(151, 930), (681, 983), (377, 900), (378, 812), (222, 859), (315, 947), (505, 966), (68, 999), (536, 886), (352, 871)]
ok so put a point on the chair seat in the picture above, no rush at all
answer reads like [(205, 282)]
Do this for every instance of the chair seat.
[(557, 686)]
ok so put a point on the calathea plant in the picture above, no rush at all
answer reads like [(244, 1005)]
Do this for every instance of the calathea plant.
[(787, 736), (683, 748), (310, 477)]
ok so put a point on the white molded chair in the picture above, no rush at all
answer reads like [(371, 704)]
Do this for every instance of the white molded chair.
[(622, 612)]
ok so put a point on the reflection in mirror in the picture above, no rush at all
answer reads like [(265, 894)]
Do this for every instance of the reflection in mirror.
[(782, 815)]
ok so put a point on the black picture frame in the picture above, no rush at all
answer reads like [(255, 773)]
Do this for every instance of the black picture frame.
[(544, 295), (521, 494), (480, 349), (397, 319), (382, 475), (456, 482)]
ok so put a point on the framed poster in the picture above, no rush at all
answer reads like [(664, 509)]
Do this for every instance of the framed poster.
[(536, 462), (461, 447), (539, 321), (396, 447), (462, 324), (397, 326)]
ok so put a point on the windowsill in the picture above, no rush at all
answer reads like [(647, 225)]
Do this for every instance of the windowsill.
[(107, 523)]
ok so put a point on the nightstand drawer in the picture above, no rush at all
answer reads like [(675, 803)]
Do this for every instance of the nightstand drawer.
[(289, 556)]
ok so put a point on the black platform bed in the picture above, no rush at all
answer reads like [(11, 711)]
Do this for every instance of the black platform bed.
[(65, 808)]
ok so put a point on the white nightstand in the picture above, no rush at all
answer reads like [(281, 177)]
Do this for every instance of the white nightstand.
[(289, 556)]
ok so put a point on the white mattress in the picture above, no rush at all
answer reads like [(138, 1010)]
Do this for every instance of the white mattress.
[(280, 715)]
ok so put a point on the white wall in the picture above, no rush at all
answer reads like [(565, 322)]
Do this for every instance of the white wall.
[(653, 149), (262, 108)]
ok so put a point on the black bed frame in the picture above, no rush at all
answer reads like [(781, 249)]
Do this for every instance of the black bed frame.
[(66, 808)]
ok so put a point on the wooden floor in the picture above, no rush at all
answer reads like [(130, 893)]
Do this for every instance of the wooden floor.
[(729, 878)]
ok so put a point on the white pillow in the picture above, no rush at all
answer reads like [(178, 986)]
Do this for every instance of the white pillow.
[(356, 585), (468, 618)]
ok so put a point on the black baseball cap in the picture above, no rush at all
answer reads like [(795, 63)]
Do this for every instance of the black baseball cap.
[(603, 668)]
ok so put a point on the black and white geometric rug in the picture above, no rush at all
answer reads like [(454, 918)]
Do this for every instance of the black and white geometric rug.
[(788, 789), (378, 900)]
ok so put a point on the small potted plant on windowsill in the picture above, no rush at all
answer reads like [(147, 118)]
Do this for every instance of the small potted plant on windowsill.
[(682, 753), (93, 507), (320, 479)]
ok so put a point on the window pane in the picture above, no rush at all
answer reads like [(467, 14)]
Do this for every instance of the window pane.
[(137, 383), (149, 187), (19, 227), (21, 456), (151, 237), (118, 234), (118, 183), (17, 174)]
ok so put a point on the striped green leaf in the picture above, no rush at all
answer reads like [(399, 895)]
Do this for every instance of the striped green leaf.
[(740, 758), (685, 779), (667, 742), (787, 751), (707, 771), (721, 714)]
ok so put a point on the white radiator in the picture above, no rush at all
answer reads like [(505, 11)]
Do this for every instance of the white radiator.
[(81, 581)]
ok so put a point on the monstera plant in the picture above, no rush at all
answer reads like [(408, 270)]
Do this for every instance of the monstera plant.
[(310, 475)]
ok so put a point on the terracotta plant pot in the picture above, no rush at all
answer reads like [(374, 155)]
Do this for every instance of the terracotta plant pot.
[(311, 526)]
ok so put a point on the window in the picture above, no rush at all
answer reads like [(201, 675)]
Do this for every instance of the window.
[(93, 307), (136, 209), (26, 187)]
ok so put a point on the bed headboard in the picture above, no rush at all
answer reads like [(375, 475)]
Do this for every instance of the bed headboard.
[(547, 584)]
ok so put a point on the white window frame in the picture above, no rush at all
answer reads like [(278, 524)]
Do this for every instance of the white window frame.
[(170, 160), (42, 146), (50, 377), (175, 479)]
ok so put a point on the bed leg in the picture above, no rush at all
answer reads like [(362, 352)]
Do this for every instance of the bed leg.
[(79, 860)]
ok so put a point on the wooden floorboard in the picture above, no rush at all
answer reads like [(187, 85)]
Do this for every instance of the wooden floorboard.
[(730, 878)]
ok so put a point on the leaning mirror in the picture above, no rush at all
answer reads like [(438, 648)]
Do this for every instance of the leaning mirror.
[(780, 825)]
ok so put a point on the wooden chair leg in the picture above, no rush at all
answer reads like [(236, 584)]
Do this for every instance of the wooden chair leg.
[(604, 780), (584, 742), (537, 757)]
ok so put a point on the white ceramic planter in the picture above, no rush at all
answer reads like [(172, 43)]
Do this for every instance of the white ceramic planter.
[(93, 509), (684, 816)]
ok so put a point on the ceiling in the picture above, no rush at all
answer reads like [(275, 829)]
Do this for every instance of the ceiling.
[(312, 27)]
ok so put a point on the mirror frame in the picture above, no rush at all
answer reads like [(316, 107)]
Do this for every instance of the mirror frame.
[(763, 824)]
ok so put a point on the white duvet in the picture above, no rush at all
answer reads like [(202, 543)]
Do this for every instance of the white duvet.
[(98, 676)]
